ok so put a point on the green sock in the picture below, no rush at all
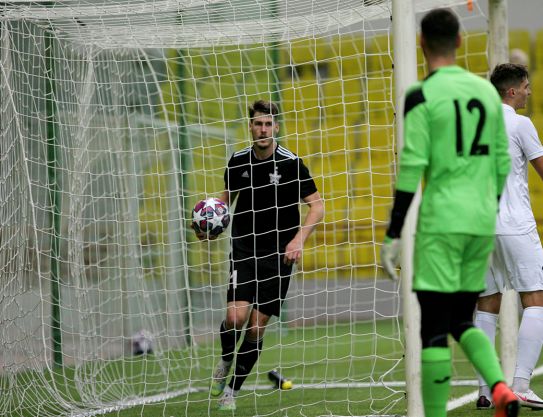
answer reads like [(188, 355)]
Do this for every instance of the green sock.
[(436, 380), (482, 355)]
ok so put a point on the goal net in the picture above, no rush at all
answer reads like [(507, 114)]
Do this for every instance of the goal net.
[(116, 118)]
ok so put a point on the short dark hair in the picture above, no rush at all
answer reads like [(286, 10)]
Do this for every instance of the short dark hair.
[(440, 29), (264, 107), (508, 75)]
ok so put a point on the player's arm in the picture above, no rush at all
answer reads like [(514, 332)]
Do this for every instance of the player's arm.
[(414, 158), (225, 197), (531, 145), (413, 162), (537, 163), (314, 216)]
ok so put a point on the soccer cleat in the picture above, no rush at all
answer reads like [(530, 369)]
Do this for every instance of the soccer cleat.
[(227, 402), (505, 401), (483, 403), (218, 381), (530, 399)]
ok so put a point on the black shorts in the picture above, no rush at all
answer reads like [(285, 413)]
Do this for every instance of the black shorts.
[(262, 281)]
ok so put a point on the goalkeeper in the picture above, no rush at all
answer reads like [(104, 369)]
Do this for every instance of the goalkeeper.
[(455, 138), (269, 181)]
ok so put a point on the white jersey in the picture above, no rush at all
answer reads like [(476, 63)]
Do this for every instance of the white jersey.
[(515, 216)]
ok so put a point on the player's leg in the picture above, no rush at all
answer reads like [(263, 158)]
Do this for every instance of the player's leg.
[(272, 281), (271, 287), (523, 257), (436, 355), (247, 356), (530, 341), (241, 290), (230, 331), (437, 274), (486, 317), (473, 341)]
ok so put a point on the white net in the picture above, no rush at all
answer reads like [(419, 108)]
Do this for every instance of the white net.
[(115, 119)]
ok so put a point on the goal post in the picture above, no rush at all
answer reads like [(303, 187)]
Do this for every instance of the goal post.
[(509, 318), (116, 117), (405, 65)]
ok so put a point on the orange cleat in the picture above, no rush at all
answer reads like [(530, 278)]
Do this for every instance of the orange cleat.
[(505, 401)]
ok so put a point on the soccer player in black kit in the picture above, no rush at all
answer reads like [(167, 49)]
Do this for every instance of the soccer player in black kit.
[(269, 181)]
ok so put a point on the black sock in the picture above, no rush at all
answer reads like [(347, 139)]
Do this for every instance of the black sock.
[(248, 354), (229, 340)]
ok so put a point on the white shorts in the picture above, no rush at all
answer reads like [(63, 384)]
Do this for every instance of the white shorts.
[(516, 263)]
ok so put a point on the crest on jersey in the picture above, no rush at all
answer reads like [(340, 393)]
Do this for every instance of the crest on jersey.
[(275, 177)]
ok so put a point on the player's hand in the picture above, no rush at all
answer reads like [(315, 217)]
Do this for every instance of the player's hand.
[(390, 256), (293, 251), (201, 235)]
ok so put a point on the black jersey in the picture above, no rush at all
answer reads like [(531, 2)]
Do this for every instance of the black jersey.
[(267, 216)]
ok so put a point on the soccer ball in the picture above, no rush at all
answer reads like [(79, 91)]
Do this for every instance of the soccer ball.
[(210, 216), (142, 343)]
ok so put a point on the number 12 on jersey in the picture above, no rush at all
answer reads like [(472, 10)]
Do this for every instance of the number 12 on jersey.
[(476, 148)]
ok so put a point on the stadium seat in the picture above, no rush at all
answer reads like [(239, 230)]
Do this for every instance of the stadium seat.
[(349, 48), (379, 55), (472, 53), (331, 95), (352, 97)]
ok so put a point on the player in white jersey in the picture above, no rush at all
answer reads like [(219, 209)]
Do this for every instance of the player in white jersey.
[(517, 261)]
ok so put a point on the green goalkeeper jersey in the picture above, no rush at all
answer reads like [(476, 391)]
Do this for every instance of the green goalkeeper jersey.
[(455, 137)]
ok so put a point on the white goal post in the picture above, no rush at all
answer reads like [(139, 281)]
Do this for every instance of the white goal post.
[(117, 116)]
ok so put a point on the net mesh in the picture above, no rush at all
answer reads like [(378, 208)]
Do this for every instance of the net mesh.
[(116, 119)]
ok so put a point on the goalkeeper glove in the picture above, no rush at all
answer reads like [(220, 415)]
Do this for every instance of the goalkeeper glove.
[(390, 256)]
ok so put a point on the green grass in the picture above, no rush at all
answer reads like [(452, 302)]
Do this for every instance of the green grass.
[(310, 355)]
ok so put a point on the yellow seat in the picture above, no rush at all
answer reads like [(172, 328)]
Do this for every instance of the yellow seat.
[(331, 95), (379, 55), (379, 94), (335, 177), (333, 141), (352, 99), (349, 48), (472, 53)]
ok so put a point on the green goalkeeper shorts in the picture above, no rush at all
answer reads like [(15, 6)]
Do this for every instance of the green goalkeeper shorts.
[(451, 262)]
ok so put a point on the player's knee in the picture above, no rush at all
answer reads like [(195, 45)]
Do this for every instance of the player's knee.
[(458, 329), (254, 332), (434, 329), (433, 338), (235, 320), (531, 299), (462, 319)]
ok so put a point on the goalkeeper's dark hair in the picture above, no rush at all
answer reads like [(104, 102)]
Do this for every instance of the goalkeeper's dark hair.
[(264, 107), (508, 75), (440, 30)]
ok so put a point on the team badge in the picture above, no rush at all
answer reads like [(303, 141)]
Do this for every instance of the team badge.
[(275, 177)]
